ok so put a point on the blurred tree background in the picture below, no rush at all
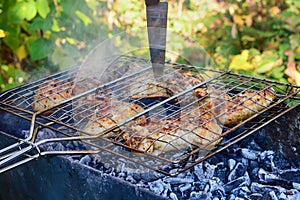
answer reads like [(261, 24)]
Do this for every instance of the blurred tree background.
[(254, 37)]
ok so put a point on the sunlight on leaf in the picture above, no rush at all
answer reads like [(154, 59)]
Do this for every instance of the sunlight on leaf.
[(21, 52), (30, 10), (85, 19), (238, 19), (2, 33), (240, 62), (55, 27), (43, 8)]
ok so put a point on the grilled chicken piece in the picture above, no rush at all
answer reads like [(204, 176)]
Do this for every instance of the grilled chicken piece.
[(50, 93), (85, 85), (232, 110), (111, 113), (175, 82), (197, 128), (150, 90)]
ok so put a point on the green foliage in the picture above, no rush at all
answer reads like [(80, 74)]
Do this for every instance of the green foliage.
[(254, 38), (260, 38), (36, 33)]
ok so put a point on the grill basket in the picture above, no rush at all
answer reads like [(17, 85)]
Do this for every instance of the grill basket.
[(172, 113)]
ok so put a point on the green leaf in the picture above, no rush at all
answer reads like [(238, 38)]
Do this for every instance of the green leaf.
[(253, 32), (55, 26), (294, 40), (23, 10), (43, 8), (31, 10), (40, 24), (84, 18), (15, 77), (13, 41), (41, 48), (240, 62), (267, 65), (92, 4), (18, 12), (278, 72), (12, 72)]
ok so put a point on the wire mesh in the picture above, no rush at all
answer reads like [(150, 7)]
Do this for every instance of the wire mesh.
[(167, 126)]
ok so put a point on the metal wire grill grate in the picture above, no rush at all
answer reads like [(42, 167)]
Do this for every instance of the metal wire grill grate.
[(177, 122)]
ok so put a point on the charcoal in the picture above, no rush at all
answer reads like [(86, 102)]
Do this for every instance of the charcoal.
[(122, 174), (207, 188), (85, 160), (244, 161), (142, 184), (253, 164), (218, 193), (291, 175), (151, 176), (25, 133), (176, 180), (220, 172), (96, 160), (165, 193), (239, 198), (282, 196), (254, 146), (255, 196), (244, 191), (249, 154), (199, 195), (59, 147), (173, 196), (245, 170), (216, 184), (238, 171), (296, 186), (218, 158), (265, 176), (234, 184), (254, 172), (108, 170), (260, 138), (70, 145), (266, 159), (130, 179), (184, 188), (200, 185), (274, 179), (261, 188), (159, 186), (136, 176), (209, 170), (187, 175), (272, 195), (231, 197), (199, 172), (46, 134), (294, 196), (106, 165), (280, 162), (231, 164)]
